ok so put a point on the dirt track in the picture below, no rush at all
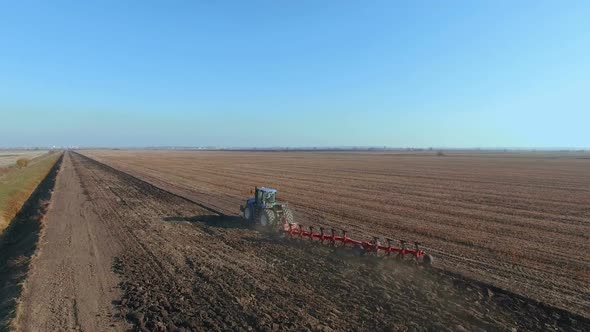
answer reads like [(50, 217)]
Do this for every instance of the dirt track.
[(71, 285), (180, 266)]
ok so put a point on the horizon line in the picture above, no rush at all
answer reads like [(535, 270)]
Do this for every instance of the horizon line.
[(305, 148)]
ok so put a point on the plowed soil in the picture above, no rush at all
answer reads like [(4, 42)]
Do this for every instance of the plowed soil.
[(520, 222), (176, 265)]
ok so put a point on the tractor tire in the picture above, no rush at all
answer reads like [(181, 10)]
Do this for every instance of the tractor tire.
[(288, 216), (267, 218), (358, 250), (248, 213), (427, 260)]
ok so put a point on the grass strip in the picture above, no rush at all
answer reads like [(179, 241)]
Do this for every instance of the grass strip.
[(17, 184)]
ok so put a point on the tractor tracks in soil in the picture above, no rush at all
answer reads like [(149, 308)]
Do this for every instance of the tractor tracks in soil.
[(183, 266), (529, 236)]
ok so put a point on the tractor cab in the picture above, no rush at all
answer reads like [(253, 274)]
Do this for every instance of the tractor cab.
[(265, 198)]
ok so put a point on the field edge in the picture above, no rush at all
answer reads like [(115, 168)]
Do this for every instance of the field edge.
[(18, 244), (460, 280)]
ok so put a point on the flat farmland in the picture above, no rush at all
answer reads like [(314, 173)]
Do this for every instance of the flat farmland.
[(9, 157), (517, 221)]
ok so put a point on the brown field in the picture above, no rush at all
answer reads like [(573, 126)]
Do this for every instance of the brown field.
[(151, 241), (520, 222)]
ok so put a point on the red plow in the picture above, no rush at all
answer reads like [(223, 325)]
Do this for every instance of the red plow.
[(375, 246)]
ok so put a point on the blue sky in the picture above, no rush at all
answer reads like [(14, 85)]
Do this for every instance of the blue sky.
[(295, 73)]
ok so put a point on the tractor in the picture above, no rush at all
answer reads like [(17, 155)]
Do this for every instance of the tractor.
[(264, 210)]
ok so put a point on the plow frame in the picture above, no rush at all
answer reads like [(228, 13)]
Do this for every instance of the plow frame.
[(374, 246)]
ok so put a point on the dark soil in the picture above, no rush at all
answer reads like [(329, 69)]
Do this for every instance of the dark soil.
[(186, 268)]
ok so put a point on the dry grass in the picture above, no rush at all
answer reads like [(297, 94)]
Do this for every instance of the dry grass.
[(8, 158), (22, 162), (15, 202), (17, 184), (4, 170)]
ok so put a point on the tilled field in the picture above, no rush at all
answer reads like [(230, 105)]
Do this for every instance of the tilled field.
[(183, 267), (519, 222)]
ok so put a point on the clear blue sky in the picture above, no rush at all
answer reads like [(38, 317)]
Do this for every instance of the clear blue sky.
[(295, 73)]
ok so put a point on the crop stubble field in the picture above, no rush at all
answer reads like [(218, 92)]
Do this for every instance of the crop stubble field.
[(9, 157), (520, 222), (16, 184)]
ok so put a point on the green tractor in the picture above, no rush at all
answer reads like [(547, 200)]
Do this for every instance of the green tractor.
[(264, 210)]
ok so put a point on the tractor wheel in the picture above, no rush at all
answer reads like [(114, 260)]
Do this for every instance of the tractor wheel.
[(427, 260), (248, 213), (358, 250), (288, 215), (267, 218)]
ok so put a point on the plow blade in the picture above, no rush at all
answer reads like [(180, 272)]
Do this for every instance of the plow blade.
[(334, 237)]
